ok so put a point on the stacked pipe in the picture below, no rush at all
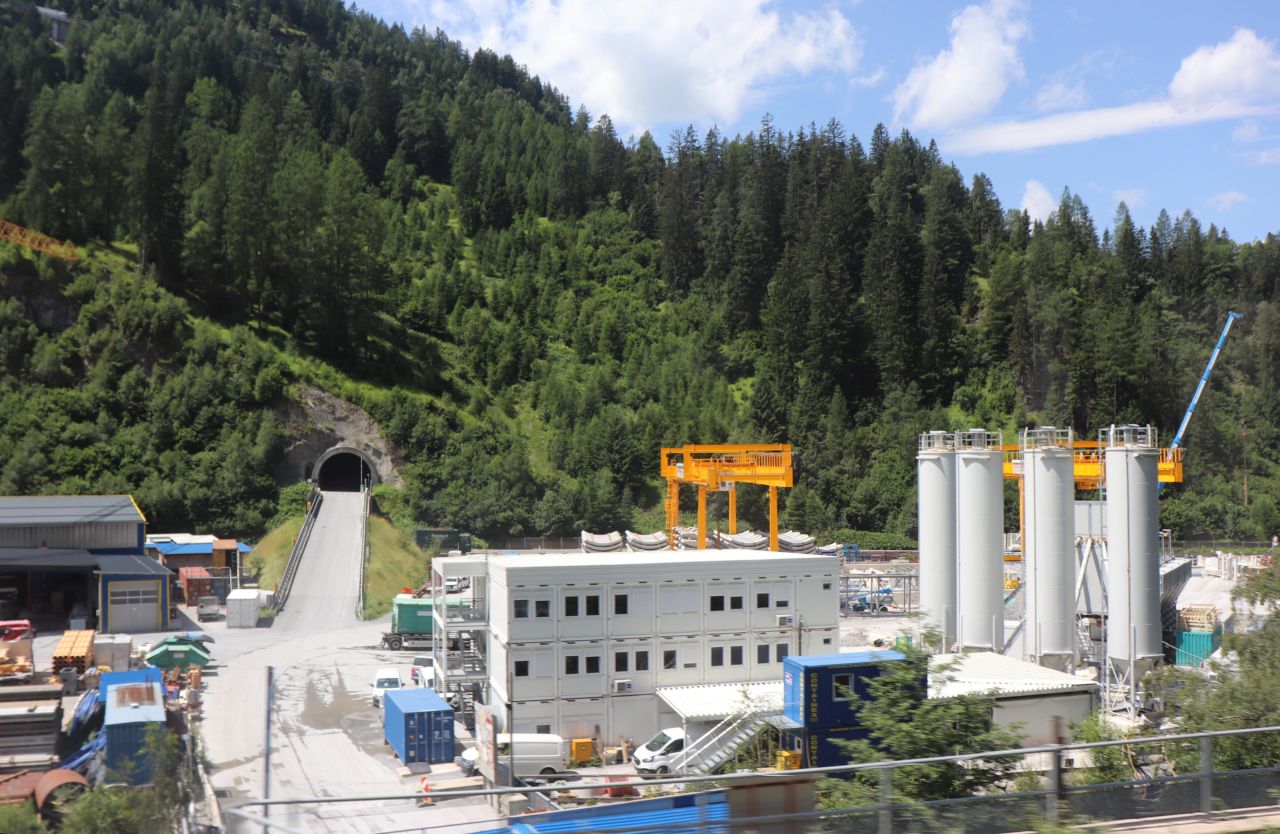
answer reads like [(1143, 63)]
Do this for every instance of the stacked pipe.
[(602, 542), (749, 540), (794, 541), (646, 541)]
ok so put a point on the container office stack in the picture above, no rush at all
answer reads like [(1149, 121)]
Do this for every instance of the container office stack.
[(418, 725)]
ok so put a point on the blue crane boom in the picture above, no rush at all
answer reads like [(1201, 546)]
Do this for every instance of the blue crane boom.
[(1204, 380)]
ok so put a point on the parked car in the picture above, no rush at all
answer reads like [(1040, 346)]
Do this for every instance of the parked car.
[(456, 584), (536, 754), (208, 608), (388, 678), (422, 672), (655, 755)]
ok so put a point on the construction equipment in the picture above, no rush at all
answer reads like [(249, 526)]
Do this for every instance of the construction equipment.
[(1089, 464), (31, 239), (721, 467), (1204, 380)]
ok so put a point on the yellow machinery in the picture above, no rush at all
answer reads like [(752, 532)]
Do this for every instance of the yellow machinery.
[(722, 467), (13, 233)]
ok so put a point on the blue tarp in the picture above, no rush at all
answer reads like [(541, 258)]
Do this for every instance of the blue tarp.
[(686, 813)]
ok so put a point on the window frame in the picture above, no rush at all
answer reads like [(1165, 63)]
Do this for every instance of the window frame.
[(520, 609), (568, 600), (621, 605), (574, 661)]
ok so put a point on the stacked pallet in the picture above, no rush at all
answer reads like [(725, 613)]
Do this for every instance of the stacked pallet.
[(30, 719), (75, 651), (1198, 618)]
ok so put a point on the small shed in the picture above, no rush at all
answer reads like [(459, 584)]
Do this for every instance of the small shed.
[(133, 594), (825, 690), (243, 605), (133, 711)]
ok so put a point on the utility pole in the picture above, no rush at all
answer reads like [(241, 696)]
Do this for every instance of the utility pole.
[(511, 730), (266, 751)]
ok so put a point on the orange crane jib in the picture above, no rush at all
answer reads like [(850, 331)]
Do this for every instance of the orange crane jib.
[(722, 467), (13, 233), (1090, 462)]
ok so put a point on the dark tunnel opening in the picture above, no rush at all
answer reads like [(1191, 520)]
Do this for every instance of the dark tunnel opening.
[(343, 472)]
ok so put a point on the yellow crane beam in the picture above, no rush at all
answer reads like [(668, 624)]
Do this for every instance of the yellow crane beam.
[(721, 467), (1090, 462)]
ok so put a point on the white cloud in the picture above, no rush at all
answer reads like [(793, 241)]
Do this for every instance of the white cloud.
[(1131, 197), (969, 77), (1271, 156), (1227, 200), (1037, 201), (1247, 131), (1231, 80), (1061, 95), (657, 61), (871, 79)]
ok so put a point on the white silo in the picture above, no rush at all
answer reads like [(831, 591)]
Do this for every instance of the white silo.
[(1133, 562), (980, 539), (936, 509), (1048, 546)]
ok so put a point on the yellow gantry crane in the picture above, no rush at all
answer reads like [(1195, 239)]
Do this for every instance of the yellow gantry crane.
[(30, 238), (721, 467)]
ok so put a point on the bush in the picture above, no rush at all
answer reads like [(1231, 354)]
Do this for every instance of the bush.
[(872, 540)]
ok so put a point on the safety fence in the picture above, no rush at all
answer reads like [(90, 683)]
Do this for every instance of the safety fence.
[(314, 499), (1183, 777)]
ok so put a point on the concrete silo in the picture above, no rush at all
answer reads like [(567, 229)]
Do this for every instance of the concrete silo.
[(1048, 546), (1133, 558), (936, 508), (980, 539)]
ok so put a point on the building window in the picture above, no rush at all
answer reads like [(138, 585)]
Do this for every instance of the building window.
[(571, 664), (520, 609), (542, 729), (826, 586), (762, 600), (717, 603), (593, 605), (842, 687), (717, 656), (735, 655), (762, 653), (735, 603), (782, 603), (593, 664), (642, 661), (826, 641), (780, 652), (522, 669), (620, 662), (669, 659), (571, 606), (619, 603), (542, 608)]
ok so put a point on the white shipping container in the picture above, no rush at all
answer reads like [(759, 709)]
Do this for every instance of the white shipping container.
[(242, 608), (113, 651)]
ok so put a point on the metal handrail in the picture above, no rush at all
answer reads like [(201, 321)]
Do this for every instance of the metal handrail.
[(314, 500)]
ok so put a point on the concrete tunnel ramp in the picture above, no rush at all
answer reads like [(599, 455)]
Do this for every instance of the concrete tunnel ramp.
[(344, 469)]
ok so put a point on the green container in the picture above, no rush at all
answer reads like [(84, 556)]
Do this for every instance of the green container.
[(1195, 647), (411, 615)]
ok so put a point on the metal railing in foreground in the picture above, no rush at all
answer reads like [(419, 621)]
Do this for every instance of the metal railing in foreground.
[(314, 500), (1202, 791)]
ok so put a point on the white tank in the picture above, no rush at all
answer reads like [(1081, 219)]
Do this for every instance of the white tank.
[(980, 539), (1048, 546), (1133, 561), (936, 507)]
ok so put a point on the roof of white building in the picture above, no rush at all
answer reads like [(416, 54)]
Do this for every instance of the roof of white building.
[(714, 701), (978, 673), (675, 558)]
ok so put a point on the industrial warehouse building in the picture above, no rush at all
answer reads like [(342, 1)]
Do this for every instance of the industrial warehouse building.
[(69, 557), (602, 644)]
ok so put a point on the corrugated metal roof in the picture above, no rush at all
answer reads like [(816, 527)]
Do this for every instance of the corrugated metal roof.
[(863, 658), (133, 703), (978, 673), (42, 558), (713, 701), (50, 510), (131, 566), (183, 548)]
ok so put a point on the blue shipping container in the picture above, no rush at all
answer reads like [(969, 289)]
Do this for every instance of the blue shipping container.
[(133, 710), (1194, 647), (418, 725), (824, 690)]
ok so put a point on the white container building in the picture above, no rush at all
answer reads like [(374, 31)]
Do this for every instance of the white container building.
[(1048, 546), (579, 643), (980, 539), (243, 605), (936, 509)]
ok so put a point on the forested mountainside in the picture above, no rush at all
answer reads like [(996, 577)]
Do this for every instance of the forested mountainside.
[(531, 306)]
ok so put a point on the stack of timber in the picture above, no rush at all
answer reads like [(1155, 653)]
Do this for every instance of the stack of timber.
[(30, 720), (75, 650), (793, 541), (602, 542), (16, 662), (1198, 617), (646, 541)]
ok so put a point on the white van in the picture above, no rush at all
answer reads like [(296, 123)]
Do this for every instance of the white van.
[(536, 754), (655, 755)]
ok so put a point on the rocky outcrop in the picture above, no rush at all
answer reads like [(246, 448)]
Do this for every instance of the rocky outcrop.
[(316, 421)]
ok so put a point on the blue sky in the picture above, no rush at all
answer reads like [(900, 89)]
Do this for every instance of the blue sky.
[(1167, 104)]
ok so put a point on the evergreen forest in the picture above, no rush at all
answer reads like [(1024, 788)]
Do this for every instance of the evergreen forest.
[(267, 193)]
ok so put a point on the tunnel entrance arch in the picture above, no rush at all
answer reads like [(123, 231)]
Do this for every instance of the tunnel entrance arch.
[(344, 469)]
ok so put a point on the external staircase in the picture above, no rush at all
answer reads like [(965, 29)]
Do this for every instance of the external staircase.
[(716, 746)]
